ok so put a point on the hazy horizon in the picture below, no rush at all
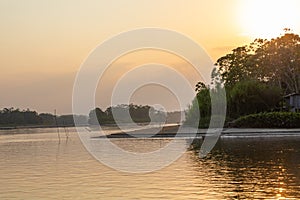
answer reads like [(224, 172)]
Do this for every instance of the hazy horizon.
[(43, 43)]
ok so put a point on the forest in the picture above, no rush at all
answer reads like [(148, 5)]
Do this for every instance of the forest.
[(12, 117), (125, 113), (256, 78)]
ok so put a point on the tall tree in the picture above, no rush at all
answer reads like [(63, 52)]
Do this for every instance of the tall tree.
[(280, 59), (276, 61)]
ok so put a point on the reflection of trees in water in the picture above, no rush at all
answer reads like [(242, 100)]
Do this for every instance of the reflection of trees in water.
[(258, 167)]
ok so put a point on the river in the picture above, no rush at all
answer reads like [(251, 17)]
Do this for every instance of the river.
[(34, 164)]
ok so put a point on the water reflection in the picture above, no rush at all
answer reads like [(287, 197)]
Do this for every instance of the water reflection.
[(258, 167), (37, 166)]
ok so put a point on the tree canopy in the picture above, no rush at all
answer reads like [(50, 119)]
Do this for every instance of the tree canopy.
[(126, 113), (275, 61), (255, 76), (17, 117)]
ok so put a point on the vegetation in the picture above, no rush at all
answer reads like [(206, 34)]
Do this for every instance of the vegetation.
[(268, 120), (17, 117), (11, 117), (200, 105), (275, 62), (125, 114), (255, 77)]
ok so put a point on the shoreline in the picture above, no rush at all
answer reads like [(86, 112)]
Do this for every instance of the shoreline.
[(187, 132), (170, 131), (35, 126)]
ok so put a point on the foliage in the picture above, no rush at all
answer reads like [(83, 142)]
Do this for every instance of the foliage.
[(268, 120), (280, 59), (96, 116), (200, 105), (126, 113), (235, 67), (255, 76), (248, 97), (17, 117), (275, 61)]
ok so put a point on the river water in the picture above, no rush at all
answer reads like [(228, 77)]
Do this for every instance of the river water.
[(34, 164)]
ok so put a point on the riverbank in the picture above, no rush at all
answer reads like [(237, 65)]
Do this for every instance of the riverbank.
[(181, 131), (34, 126), (12, 127), (171, 130)]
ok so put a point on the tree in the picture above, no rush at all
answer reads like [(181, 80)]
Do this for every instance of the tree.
[(11, 116), (47, 118), (275, 61), (200, 105), (280, 58), (97, 116), (248, 97), (235, 67), (123, 113), (255, 76)]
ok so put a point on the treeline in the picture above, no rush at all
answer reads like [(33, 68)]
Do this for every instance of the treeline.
[(126, 113), (17, 117), (11, 117), (256, 77)]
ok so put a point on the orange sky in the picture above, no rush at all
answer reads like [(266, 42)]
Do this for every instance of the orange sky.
[(43, 42)]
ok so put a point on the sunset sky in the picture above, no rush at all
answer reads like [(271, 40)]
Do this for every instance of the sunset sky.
[(44, 42)]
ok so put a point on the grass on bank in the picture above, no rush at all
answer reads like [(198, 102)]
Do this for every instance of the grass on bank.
[(268, 120)]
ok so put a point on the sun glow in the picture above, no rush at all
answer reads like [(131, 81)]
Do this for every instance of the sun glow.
[(268, 18)]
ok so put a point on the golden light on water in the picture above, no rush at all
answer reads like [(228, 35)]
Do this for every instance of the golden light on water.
[(268, 18)]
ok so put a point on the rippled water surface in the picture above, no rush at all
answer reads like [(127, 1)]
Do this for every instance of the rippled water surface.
[(35, 165)]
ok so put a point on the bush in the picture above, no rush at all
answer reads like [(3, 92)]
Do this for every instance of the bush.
[(249, 97), (268, 120)]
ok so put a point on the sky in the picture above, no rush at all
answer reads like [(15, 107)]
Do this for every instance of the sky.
[(44, 42)]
